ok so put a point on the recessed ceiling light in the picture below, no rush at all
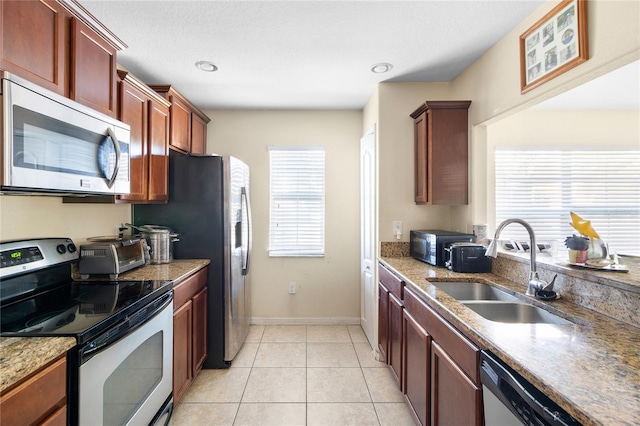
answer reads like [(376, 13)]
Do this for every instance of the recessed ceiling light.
[(381, 68), (206, 66)]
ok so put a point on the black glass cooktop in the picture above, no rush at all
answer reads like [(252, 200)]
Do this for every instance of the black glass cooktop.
[(81, 309)]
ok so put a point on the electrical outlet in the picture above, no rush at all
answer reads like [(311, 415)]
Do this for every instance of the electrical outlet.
[(397, 228), (292, 288)]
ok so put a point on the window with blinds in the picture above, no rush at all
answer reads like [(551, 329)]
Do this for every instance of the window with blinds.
[(542, 187), (297, 194)]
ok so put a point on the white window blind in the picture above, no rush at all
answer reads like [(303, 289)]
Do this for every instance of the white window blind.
[(297, 194), (542, 187)]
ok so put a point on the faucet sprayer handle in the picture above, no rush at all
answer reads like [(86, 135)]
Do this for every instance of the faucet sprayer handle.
[(549, 286)]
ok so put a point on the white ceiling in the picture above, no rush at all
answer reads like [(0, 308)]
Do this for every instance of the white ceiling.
[(302, 54)]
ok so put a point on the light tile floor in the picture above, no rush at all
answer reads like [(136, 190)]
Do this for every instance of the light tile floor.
[(297, 375)]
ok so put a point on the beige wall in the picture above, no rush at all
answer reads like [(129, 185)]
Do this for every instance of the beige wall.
[(492, 83), (42, 216), (562, 129), (328, 287)]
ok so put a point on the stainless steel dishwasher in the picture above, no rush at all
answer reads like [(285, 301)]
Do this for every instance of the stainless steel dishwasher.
[(509, 399)]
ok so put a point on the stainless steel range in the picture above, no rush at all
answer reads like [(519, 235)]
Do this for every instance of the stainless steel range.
[(120, 371)]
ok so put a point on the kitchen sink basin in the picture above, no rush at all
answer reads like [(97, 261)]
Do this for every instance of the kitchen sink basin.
[(473, 291), (509, 312)]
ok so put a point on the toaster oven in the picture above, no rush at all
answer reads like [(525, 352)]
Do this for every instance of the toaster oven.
[(111, 257)]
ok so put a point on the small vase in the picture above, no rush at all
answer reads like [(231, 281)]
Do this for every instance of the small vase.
[(597, 249), (578, 256)]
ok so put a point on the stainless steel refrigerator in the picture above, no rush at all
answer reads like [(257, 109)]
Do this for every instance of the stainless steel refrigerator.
[(209, 208)]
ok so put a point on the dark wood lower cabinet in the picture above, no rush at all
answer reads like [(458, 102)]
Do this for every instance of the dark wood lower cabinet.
[(416, 374), (199, 302), (383, 321), (189, 331), (39, 400), (182, 370), (437, 366), (394, 356), (456, 399)]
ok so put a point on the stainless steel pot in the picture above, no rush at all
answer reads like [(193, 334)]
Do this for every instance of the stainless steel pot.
[(160, 240)]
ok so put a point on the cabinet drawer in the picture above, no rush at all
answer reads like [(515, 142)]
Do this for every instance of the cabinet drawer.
[(458, 347), (37, 398), (390, 281), (188, 288)]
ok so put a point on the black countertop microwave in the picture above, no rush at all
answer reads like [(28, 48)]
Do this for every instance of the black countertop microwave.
[(428, 245)]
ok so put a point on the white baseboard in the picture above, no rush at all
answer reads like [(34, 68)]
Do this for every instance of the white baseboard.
[(305, 321)]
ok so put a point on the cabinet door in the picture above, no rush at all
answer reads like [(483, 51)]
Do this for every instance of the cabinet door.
[(158, 153), (38, 399), (394, 356), (182, 350), (447, 131), (93, 69), (416, 373), (383, 321), (33, 43), (421, 158), (180, 125), (198, 135), (133, 110), (199, 330), (456, 399)]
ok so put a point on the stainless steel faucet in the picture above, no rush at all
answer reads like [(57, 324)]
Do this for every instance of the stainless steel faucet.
[(535, 284)]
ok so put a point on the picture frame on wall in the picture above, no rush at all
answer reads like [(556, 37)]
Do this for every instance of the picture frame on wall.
[(554, 44)]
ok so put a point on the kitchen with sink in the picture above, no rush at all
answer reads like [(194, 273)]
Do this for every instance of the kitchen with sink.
[(475, 258)]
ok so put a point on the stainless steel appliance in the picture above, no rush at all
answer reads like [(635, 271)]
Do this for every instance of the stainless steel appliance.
[(510, 399), (160, 240), (110, 256), (209, 206), (429, 245), (467, 257), (120, 371), (54, 144)]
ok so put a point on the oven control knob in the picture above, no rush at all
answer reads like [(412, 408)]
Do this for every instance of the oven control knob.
[(71, 247), (61, 249)]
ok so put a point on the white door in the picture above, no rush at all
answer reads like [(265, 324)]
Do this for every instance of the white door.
[(368, 193)]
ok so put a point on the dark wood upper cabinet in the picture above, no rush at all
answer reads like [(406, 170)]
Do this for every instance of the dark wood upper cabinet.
[(34, 42), (148, 115), (198, 134), (93, 64), (158, 153), (441, 152), (134, 110), (60, 46), (188, 123)]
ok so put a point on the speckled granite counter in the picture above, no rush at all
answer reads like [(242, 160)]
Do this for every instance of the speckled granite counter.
[(175, 271), (591, 368), (22, 356)]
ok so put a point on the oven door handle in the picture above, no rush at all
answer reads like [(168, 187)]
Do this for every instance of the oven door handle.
[(124, 327)]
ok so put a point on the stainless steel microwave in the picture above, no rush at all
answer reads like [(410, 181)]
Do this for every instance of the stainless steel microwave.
[(52, 144), (428, 245)]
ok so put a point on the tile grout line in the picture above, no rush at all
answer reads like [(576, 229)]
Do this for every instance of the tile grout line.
[(235, 417)]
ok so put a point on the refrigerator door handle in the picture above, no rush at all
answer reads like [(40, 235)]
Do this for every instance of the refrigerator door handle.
[(246, 208)]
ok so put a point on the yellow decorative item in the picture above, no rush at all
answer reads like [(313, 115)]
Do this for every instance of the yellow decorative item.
[(583, 226)]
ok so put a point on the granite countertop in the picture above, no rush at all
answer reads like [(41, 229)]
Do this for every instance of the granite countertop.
[(22, 356), (591, 368), (176, 271)]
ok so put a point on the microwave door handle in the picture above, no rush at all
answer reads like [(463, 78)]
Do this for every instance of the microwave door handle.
[(111, 134)]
